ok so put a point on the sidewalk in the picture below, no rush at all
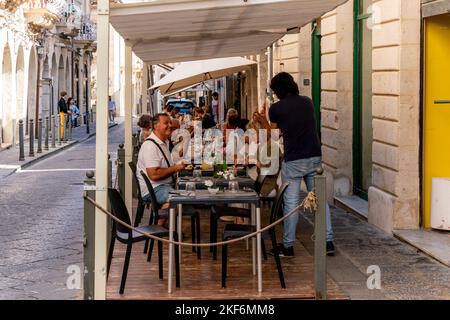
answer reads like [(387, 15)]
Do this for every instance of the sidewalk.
[(9, 159), (405, 272)]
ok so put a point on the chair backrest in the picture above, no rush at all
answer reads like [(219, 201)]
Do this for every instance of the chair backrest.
[(133, 169), (119, 209), (278, 205), (259, 183), (154, 203)]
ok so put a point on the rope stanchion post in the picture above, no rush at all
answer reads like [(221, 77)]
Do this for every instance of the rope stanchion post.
[(121, 170), (89, 237), (134, 159), (320, 268)]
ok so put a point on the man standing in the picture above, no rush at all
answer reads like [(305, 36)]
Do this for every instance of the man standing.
[(62, 110), (294, 116), (111, 109), (156, 161)]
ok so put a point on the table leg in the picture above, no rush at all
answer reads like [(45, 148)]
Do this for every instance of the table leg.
[(253, 222), (180, 234), (171, 231), (258, 247)]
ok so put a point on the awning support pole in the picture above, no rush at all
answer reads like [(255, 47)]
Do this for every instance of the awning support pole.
[(128, 127), (101, 149)]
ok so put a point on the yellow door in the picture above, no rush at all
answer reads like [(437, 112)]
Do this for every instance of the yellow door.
[(437, 105)]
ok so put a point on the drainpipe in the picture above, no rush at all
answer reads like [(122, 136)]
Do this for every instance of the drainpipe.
[(38, 79)]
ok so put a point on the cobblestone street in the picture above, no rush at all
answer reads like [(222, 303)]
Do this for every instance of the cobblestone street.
[(41, 230)]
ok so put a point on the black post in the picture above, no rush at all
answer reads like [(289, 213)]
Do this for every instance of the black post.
[(46, 133), (21, 142), (31, 138), (39, 148)]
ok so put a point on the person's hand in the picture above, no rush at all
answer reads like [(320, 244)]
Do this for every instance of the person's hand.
[(180, 165)]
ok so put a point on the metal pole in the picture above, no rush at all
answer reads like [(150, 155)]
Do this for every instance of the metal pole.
[(65, 132), (46, 133), (53, 131), (70, 127), (31, 138), (39, 148), (21, 142), (270, 61), (121, 170), (89, 237), (320, 267), (58, 117)]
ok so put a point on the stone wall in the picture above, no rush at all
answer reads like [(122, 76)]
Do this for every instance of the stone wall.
[(337, 99), (394, 195)]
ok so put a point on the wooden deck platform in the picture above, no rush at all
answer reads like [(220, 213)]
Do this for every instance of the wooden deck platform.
[(201, 279)]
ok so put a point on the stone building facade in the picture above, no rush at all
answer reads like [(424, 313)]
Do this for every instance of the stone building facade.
[(46, 46), (370, 94)]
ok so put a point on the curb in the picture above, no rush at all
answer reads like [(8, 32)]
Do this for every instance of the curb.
[(56, 151)]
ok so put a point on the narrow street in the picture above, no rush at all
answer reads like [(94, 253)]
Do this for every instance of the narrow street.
[(41, 229)]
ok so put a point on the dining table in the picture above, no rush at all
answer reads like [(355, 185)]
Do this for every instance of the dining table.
[(179, 197)]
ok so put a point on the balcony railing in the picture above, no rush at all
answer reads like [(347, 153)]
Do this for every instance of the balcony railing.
[(88, 31), (43, 14)]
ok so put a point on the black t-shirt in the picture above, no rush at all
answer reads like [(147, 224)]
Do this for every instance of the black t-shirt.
[(294, 116), (208, 122), (62, 105)]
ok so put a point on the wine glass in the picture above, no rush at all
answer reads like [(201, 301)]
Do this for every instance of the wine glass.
[(197, 174), (233, 186)]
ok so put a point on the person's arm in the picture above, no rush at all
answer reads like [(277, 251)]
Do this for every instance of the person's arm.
[(158, 174)]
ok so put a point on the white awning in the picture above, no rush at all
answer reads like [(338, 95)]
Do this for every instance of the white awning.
[(163, 31), (190, 73)]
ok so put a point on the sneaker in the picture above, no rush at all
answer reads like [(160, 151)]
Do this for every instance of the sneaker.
[(330, 248), (283, 252)]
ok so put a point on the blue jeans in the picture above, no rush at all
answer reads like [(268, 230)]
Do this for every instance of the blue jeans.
[(293, 172), (161, 193)]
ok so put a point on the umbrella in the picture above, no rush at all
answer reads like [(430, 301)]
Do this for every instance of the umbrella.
[(191, 73)]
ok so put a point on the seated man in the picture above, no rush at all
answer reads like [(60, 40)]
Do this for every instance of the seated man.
[(205, 118), (156, 161)]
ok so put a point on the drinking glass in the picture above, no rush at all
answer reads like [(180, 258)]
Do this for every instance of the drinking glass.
[(190, 186), (233, 186), (197, 174)]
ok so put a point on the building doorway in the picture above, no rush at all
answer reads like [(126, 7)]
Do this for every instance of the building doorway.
[(436, 152), (362, 100)]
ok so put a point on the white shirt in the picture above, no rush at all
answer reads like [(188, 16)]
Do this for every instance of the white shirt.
[(151, 157)]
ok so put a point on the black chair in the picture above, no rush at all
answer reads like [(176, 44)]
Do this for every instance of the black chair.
[(220, 211), (128, 237), (237, 230), (141, 203), (157, 213)]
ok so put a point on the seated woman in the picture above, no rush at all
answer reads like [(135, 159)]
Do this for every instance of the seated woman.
[(145, 123)]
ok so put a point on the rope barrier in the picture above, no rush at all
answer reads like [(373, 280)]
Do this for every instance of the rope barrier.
[(309, 203)]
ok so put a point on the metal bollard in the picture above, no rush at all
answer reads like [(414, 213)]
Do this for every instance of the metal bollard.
[(320, 261), (134, 159), (31, 139), (58, 127), (70, 129), (121, 170), (46, 133), (21, 142), (109, 171), (54, 128), (39, 148), (89, 237)]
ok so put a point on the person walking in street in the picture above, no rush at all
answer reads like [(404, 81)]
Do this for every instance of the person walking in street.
[(294, 116), (62, 110), (111, 109)]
